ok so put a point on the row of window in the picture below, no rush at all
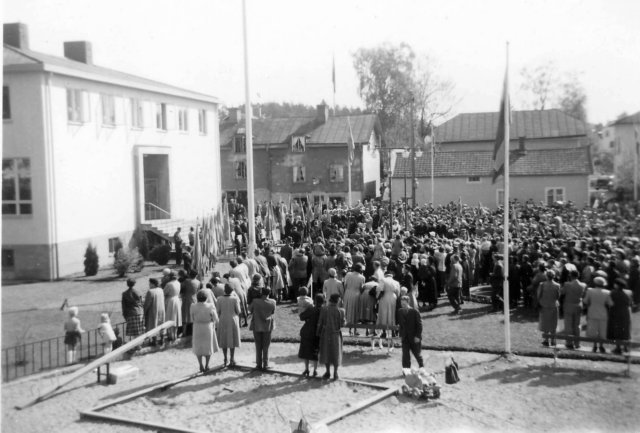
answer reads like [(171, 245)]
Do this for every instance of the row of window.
[(298, 143), (78, 112), (299, 175)]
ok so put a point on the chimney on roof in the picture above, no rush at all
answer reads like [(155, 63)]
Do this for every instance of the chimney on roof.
[(322, 112), (80, 51), (16, 35), (521, 147), (235, 115), (257, 111)]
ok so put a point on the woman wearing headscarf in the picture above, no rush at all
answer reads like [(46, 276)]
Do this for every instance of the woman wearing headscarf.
[(331, 319)]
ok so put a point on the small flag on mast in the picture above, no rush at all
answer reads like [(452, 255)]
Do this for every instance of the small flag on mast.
[(350, 143), (501, 140)]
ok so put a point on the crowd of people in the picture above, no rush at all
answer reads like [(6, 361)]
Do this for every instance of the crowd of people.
[(344, 267)]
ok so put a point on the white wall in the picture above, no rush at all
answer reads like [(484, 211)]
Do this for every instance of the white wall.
[(371, 162)]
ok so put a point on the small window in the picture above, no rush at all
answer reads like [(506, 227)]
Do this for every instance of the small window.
[(161, 116), (183, 119), (8, 259), (500, 197), (77, 106), (6, 103), (108, 104), (202, 121), (298, 143), (137, 113), (336, 173), (239, 144), (113, 244), (16, 186), (473, 179), (299, 174), (240, 170), (554, 195)]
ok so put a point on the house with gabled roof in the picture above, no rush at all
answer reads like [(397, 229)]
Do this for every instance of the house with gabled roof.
[(302, 157), (623, 138), (91, 153), (550, 161)]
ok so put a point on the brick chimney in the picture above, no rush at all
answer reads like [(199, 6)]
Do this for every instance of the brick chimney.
[(322, 112), (80, 51), (16, 35), (235, 115)]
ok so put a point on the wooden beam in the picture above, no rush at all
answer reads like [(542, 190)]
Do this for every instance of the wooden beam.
[(97, 363), (160, 427), (361, 405)]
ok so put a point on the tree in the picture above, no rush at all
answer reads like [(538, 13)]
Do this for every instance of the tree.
[(572, 98), (540, 82)]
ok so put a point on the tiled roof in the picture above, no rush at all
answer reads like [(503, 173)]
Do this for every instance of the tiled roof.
[(530, 124), (543, 162), (634, 118), (13, 56), (275, 131)]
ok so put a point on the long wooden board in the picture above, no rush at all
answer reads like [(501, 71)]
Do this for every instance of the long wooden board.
[(98, 362), (361, 405)]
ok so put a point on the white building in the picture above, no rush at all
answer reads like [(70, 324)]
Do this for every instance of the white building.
[(90, 153)]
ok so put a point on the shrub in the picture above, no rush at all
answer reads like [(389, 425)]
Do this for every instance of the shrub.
[(127, 260), (160, 254), (139, 240), (91, 261), (117, 246)]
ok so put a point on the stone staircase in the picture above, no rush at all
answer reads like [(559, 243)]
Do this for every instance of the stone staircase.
[(165, 228)]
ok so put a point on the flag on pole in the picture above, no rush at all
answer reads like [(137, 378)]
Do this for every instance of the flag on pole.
[(501, 139), (333, 74), (350, 143)]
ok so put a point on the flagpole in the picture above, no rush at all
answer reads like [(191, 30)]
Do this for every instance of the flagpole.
[(505, 284), (349, 160), (333, 79), (636, 149), (248, 140)]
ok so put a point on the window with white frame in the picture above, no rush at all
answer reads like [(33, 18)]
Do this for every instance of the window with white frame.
[(299, 174), (298, 143), (6, 103), (183, 119), (161, 116), (16, 186), (336, 173), (240, 169), (202, 121), (239, 143), (77, 106), (553, 195), (500, 197), (108, 105), (473, 179), (137, 113)]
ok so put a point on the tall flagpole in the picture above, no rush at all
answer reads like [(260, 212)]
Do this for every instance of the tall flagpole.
[(249, 140), (505, 283)]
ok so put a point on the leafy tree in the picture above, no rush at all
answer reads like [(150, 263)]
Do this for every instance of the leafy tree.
[(540, 82), (573, 98)]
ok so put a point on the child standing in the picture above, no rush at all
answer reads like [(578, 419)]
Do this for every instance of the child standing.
[(72, 334), (107, 336)]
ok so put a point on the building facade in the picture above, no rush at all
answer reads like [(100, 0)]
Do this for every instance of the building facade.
[(302, 157), (550, 161), (90, 153)]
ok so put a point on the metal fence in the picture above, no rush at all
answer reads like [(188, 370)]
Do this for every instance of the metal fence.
[(30, 358)]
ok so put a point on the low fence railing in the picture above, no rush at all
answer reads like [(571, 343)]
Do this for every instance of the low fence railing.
[(35, 357)]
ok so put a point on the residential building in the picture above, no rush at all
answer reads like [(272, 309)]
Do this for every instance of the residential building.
[(623, 136), (550, 161), (302, 157), (91, 153)]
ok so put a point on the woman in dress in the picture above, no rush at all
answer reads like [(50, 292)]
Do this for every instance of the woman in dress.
[(549, 301), (309, 340), (228, 308), (172, 305), (204, 342), (132, 309), (353, 283), (330, 321), (388, 291), (620, 315), (368, 302)]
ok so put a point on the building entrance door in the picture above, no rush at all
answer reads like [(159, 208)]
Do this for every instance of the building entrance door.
[(157, 199)]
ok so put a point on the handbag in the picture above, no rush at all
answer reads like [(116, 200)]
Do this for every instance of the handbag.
[(451, 372)]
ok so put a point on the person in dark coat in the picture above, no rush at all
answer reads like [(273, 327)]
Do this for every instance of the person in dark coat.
[(262, 324), (132, 309), (620, 314), (309, 340), (331, 320), (410, 324)]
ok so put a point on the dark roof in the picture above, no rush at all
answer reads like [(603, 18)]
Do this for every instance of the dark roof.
[(480, 163), (632, 119), (279, 131), (530, 124), (15, 57)]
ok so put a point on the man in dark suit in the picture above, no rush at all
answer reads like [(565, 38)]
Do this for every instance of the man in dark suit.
[(263, 322), (410, 333)]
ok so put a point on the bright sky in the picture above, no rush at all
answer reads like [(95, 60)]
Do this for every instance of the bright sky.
[(198, 45)]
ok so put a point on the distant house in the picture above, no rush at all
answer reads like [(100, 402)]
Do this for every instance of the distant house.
[(550, 157), (302, 157), (623, 136), (90, 153)]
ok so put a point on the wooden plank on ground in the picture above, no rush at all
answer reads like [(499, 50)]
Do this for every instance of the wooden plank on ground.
[(160, 427), (361, 405), (97, 363)]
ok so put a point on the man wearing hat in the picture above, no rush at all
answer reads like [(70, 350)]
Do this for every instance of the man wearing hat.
[(597, 300)]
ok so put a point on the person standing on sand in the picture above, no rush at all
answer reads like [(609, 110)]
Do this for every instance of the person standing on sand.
[(262, 324), (172, 305), (72, 334), (154, 308), (204, 342), (410, 333), (330, 321), (309, 340), (132, 310), (228, 309)]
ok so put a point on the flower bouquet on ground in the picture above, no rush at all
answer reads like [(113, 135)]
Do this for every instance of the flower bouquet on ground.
[(420, 385)]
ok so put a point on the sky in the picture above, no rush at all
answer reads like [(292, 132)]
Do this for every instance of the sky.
[(198, 44)]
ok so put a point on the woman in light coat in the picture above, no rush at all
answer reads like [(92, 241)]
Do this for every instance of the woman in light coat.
[(228, 309)]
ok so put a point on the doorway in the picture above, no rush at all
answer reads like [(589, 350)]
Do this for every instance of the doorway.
[(157, 198)]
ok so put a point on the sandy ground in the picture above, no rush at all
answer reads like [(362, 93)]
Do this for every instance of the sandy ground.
[(494, 394)]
